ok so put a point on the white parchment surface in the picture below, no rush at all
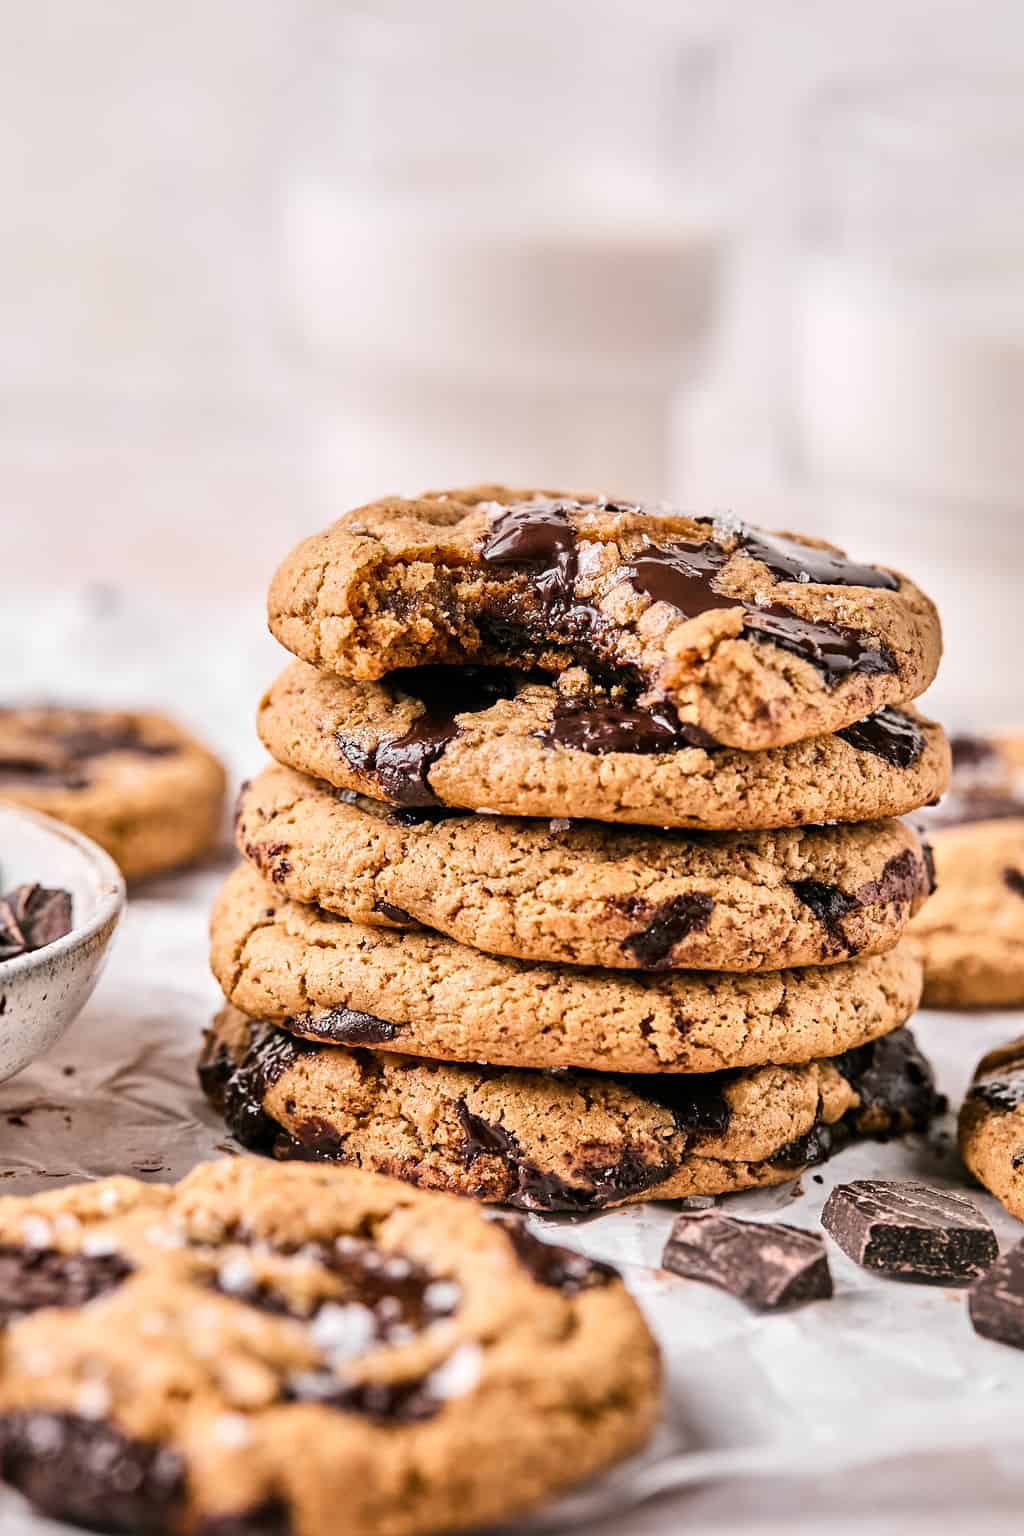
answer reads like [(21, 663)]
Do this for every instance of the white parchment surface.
[(880, 1410)]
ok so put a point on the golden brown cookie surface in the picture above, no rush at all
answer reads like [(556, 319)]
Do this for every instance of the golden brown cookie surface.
[(584, 893), (757, 639), (263, 1345), (414, 991), (971, 937), (497, 742), (992, 1125), (572, 1141), (146, 790)]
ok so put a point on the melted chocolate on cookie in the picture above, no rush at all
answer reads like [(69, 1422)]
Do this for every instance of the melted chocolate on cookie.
[(889, 734), (539, 536), (900, 881), (32, 1278), (599, 726), (402, 767), (91, 1474), (560, 1268), (664, 924)]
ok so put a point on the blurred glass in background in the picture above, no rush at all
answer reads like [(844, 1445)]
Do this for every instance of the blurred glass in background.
[(504, 243), (909, 347)]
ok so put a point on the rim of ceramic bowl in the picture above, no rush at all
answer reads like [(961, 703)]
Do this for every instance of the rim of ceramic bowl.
[(107, 881)]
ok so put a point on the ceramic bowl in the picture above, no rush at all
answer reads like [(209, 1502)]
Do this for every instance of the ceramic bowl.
[(42, 992)]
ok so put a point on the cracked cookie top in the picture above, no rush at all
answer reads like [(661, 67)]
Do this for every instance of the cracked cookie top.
[(750, 639)]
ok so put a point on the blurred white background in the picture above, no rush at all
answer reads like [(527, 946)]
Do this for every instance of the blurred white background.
[(264, 258)]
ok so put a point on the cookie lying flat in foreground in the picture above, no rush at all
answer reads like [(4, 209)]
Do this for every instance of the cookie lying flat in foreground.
[(287, 1350), (751, 639)]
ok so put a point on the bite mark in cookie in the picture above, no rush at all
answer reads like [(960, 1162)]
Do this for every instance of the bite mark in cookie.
[(754, 639)]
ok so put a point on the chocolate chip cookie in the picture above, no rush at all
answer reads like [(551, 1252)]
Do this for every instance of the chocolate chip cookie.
[(992, 1126), (143, 788), (266, 1345), (495, 741), (349, 984), (564, 1141), (972, 938), (752, 639), (583, 893)]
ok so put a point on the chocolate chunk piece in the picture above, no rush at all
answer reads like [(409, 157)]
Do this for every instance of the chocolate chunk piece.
[(769, 1265), (402, 767), (540, 1189), (681, 574), (32, 1278), (91, 1474), (599, 727), (996, 1301), (829, 905), (665, 923), (1013, 879), (888, 734), (32, 916), (909, 1231), (560, 1268)]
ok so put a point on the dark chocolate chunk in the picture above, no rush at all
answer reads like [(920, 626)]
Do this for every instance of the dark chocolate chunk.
[(996, 1300), (539, 1189), (894, 1082), (238, 1087), (32, 1278), (816, 1146), (90, 1474), (829, 905), (910, 1231), (789, 560), (397, 1293), (900, 881), (664, 924), (681, 574), (402, 767), (31, 917), (396, 914), (769, 1265), (1002, 1089), (696, 1100), (600, 727), (888, 734), (347, 1026), (560, 1268), (538, 535), (1014, 880), (397, 1402)]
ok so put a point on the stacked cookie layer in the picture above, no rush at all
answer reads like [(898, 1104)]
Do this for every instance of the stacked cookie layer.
[(576, 879)]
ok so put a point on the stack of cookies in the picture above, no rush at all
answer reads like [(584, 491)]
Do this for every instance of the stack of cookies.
[(577, 879)]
